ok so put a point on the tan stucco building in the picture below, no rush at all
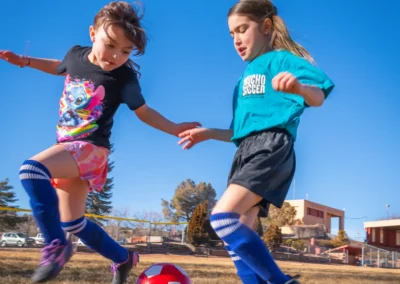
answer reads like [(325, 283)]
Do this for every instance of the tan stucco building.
[(312, 213)]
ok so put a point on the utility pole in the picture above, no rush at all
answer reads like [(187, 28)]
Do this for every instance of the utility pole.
[(387, 211)]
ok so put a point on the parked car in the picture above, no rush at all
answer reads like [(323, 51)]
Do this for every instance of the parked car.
[(39, 239), (16, 239)]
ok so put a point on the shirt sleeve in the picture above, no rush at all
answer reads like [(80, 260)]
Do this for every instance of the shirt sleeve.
[(62, 68), (307, 73), (132, 93)]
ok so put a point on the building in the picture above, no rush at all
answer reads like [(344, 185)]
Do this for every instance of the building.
[(350, 253), (312, 213), (385, 233)]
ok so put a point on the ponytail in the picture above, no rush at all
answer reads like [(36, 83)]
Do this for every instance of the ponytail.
[(281, 39)]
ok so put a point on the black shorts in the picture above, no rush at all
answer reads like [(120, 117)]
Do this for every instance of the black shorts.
[(265, 164)]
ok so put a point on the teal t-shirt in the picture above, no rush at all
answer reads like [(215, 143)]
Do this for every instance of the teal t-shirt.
[(257, 106)]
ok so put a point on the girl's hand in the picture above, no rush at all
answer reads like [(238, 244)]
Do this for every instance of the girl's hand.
[(287, 83), (181, 127), (193, 136), (13, 58)]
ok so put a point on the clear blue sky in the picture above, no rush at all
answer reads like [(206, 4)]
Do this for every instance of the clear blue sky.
[(347, 150)]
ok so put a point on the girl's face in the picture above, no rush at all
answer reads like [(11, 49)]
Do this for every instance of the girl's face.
[(249, 37), (112, 49)]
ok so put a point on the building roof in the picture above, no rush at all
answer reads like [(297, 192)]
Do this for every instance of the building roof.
[(317, 205), (353, 249), (395, 223)]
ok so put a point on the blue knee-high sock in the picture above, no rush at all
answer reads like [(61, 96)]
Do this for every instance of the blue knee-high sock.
[(95, 238), (244, 272), (248, 246), (35, 179)]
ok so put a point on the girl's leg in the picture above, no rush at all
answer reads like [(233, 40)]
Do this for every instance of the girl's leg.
[(246, 274), (225, 219), (72, 194), (36, 174)]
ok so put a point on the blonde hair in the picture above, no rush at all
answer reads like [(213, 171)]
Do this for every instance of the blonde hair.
[(259, 11)]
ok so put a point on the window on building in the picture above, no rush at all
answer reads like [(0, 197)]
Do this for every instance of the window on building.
[(315, 212), (381, 236), (398, 238), (373, 235)]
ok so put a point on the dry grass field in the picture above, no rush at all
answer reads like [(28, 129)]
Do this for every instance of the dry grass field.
[(16, 266)]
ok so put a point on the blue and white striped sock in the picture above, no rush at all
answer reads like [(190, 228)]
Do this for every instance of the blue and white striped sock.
[(244, 272), (35, 178), (248, 246), (95, 238)]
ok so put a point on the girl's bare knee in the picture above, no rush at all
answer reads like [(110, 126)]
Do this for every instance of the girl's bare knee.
[(236, 199)]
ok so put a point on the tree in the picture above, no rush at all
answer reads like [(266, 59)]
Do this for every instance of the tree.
[(273, 237), (147, 216), (99, 202), (281, 217), (9, 220), (199, 228), (187, 196), (28, 227), (342, 236)]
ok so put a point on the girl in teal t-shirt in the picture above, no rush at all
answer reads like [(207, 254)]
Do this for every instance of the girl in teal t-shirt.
[(278, 84)]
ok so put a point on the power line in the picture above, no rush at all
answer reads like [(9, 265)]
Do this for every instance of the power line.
[(365, 217)]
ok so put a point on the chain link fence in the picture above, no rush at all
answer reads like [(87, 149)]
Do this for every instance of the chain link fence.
[(378, 257)]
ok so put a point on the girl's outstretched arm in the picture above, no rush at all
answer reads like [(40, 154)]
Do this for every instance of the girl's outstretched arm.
[(193, 136), (46, 65), (158, 121)]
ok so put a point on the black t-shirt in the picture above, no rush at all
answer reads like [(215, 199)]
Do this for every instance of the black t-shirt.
[(91, 97)]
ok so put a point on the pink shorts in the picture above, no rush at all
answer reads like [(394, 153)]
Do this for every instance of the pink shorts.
[(92, 162)]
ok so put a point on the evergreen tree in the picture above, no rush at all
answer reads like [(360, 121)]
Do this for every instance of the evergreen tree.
[(196, 231), (342, 236), (273, 237), (99, 203), (9, 220), (199, 227)]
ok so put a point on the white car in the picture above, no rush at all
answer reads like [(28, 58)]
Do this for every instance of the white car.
[(16, 239), (39, 239)]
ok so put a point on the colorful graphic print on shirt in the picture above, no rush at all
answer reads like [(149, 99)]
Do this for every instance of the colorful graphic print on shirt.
[(80, 107)]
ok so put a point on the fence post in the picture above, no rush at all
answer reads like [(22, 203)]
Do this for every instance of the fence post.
[(393, 263), (387, 259), (379, 265), (362, 256), (370, 256), (148, 239)]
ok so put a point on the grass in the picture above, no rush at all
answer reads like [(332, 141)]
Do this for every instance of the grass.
[(17, 265)]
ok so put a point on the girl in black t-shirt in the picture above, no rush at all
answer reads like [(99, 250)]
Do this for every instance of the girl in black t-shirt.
[(98, 80)]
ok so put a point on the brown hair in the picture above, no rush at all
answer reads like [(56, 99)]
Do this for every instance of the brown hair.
[(259, 11), (127, 17)]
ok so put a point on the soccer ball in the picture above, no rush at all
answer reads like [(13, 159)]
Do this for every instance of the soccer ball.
[(163, 273)]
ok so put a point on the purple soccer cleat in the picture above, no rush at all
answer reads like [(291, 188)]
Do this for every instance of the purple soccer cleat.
[(54, 257), (121, 270)]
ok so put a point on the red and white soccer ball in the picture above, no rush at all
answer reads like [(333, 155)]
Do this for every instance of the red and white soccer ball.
[(163, 273)]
